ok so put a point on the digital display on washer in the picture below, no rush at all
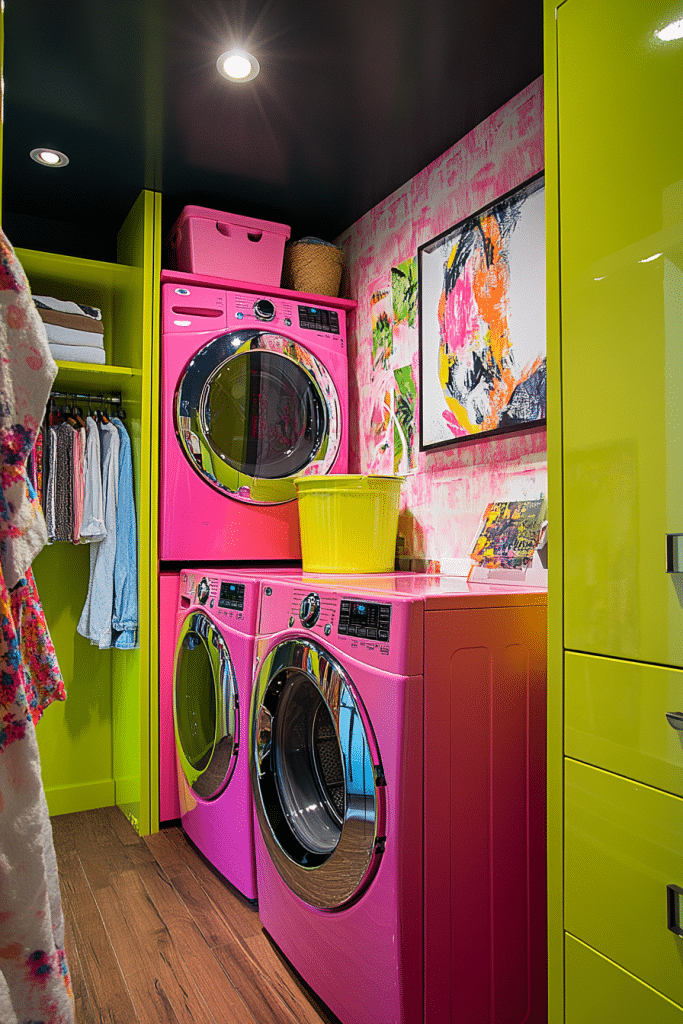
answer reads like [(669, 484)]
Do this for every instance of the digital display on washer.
[(313, 319), (231, 596), (364, 619)]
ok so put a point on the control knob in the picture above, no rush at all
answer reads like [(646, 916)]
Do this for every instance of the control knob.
[(309, 610), (203, 590), (264, 309)]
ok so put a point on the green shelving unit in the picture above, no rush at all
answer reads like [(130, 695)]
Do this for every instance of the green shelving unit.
[(99, 747)]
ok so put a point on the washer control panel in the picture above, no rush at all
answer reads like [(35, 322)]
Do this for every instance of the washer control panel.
[(231, 595), (313, 319), (364, 619)]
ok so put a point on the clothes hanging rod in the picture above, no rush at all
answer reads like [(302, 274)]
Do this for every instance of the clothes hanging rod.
[(87, 398)]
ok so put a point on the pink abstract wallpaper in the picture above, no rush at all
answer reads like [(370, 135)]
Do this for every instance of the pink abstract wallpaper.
[(446, 490)]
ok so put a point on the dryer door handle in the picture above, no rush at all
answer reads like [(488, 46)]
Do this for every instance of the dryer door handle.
[(264, 736)]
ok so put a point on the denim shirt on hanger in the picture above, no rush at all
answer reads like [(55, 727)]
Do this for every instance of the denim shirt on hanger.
[(125, 619)]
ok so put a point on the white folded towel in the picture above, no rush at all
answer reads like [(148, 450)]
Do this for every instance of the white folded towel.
[(77, 353), (70, 336), (65, 306)]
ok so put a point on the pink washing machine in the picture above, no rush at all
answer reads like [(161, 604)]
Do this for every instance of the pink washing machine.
[(398, 763), (212, 680), (254, 392)]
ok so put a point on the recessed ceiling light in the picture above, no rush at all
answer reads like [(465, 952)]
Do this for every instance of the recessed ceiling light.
[(649, 259), (238, 65), (49, 157), (670, 32)]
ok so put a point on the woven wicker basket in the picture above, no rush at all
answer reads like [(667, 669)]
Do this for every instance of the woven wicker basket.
[(313, 267)]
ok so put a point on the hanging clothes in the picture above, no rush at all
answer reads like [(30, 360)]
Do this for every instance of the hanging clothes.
[(89, 498), (125, 616), (93, 528), (38, 461), (34, 975), (78, 482), (95, 622), (51, 487), (64, 482)]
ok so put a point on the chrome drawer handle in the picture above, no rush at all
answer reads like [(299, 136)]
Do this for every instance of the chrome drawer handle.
[(674, 552), (675, 719), (673, 909)]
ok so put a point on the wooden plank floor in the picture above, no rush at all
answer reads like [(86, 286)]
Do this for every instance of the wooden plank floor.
[(155, 936)]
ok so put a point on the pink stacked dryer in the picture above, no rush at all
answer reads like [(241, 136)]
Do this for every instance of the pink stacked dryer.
[(397, 743), (212, 680), (254, 393)]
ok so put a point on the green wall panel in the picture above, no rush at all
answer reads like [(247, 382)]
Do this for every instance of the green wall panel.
[(74, 737)]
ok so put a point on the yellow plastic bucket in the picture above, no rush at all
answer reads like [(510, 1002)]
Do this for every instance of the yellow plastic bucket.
[(348, 523)]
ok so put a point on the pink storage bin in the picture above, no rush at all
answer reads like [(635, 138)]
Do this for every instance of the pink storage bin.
[(222, 244)]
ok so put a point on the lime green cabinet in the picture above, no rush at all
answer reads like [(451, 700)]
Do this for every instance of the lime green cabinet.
[(616, 718), (614, 229), (99, 747), (620, 117), (600, 992), (623, 847)]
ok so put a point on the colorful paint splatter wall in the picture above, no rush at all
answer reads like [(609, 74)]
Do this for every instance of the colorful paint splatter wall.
[(446, 490)]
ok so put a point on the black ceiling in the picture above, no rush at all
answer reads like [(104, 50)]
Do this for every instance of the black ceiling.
[(354, 97)]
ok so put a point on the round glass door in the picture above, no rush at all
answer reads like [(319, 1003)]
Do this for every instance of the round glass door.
[(316, 776), (205, 707), (252, 411)]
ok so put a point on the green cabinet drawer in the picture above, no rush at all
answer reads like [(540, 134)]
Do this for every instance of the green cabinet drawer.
[(600, 992), (615, 718), (623, 847)]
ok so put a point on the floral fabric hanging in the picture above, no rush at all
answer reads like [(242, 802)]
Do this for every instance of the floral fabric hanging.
[(34, 976)]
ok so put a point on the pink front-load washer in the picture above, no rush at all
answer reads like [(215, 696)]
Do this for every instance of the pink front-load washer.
[(254, 392), (212, 681), (398, 765)]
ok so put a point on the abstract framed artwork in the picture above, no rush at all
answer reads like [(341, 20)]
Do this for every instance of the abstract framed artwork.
[(482, 322)]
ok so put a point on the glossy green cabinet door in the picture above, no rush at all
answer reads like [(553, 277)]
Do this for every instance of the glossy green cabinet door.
[(599, 992), (616, 718), (621, 252), (623, 847)]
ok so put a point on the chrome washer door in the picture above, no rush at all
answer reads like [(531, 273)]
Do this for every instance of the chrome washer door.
[(252, 411), (205, 707), (316, 776)]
